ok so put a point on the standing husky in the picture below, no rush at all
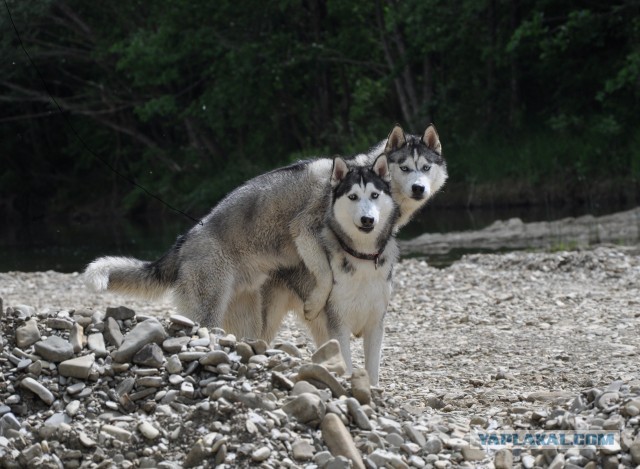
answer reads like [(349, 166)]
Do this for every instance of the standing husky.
[(271, 222), (362, 277), (358, 239)]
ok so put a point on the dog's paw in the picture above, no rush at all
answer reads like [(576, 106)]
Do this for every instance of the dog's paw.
[(310, 315), (314, 306)]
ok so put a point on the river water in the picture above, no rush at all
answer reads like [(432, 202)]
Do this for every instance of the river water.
[(69, 246)]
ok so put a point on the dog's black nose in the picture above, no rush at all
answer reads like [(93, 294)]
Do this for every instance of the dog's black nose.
[(417, 189), (366, 221)]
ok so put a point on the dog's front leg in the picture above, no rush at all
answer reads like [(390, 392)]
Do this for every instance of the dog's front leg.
[(373, 350), (343, 336), (309, 246)]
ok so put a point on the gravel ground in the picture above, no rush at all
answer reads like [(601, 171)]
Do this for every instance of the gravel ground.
[(524, 340)]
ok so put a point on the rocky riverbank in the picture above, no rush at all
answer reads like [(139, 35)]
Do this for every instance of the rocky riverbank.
[(584, 231), (518, 341)]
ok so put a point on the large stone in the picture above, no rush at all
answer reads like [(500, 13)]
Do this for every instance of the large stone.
[(116, 432), (260, 454), (306, 408), (150, 355), (383, 458), (147, 332), (8, 422), (503, 459), (120, 312), (148, 430), (54, 349), (360, 386), (469, 453), (182, 321), (112, 332), (414, 435), (79, 367), (197, 454), (357, 414), (27, 334), (302, 450), (433, 445), (95, 343), (339, 440), (173, 365), (330, 356), (38, 389), (76, 337), (175, 344), (289, 348), (634, 449), (320, 373)]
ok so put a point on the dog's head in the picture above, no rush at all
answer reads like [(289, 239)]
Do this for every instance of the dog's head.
[(362, 203), (417, 167)]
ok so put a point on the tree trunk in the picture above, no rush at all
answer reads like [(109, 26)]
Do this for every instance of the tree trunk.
[(403, 99), (514, 71)]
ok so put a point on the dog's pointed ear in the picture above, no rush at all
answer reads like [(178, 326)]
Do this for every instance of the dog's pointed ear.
[(395, 140), (431, 139), (339, 170), (381, 168)]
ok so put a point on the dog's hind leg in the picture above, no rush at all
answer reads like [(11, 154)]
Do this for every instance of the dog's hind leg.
[(204, 295), (244, 315), (277, 301)]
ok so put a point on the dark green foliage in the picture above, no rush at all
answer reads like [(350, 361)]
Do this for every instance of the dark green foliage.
[(191, 97)]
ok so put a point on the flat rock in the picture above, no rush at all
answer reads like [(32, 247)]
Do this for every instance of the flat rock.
[(54, 349), (150, 355), (320, 373), (306, 408), (302, 450), (27, 334), (149, 331), (175, 344), (79, 367), (180, 320), (330, 356), (121, 313), (470, 453)]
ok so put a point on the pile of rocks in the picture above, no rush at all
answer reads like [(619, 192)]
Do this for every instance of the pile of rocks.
[(91, 389)]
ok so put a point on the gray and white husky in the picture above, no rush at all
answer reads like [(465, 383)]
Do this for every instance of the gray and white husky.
[(362, 272), (417, 168), (217, 268), (361, 249)]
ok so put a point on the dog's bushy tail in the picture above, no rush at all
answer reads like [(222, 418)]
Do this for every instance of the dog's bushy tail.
[(132, 276)]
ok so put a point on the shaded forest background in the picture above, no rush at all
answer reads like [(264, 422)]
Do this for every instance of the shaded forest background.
[(536, 101)]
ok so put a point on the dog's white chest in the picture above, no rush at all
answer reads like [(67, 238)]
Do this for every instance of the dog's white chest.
[(360, 292)]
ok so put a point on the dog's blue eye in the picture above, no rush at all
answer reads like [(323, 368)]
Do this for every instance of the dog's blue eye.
[(426, 168), (404, 168), (353, 197), (374, 195)]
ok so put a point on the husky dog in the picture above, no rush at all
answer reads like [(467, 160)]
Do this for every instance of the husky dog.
[(417, 167), (358, 239), (271, 222), (361, 290)]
